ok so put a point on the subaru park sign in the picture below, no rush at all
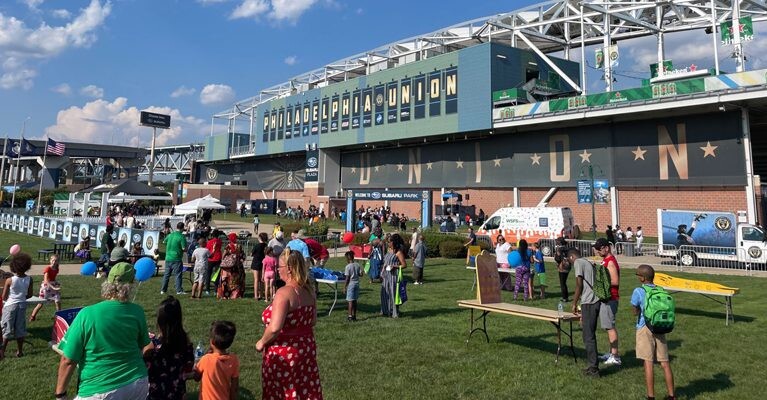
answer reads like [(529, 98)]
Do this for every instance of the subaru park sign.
[(154, 120)]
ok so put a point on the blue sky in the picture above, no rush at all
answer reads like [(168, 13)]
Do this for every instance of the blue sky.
[(82, 69)]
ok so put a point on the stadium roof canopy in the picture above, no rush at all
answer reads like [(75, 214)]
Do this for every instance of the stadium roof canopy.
[(548, 27)]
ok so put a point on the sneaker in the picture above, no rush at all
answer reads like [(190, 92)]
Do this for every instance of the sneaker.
[(591, 372), (162, 292), (605, 357), (180, 293), (207, 293), (613, 360)]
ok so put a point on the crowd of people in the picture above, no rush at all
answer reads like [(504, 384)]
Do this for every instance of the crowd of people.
[(282, 278)]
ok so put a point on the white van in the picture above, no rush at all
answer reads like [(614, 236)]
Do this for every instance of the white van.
[(534, 224)]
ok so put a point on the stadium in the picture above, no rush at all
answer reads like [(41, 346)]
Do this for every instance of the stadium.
[(497, 109)]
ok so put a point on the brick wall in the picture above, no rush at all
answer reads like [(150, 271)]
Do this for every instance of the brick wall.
[(639, 206)]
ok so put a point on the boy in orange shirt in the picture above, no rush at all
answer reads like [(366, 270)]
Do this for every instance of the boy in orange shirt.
[(219, 371)]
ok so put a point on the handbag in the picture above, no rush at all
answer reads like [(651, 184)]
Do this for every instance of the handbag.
[(401, 297), (229, 261)]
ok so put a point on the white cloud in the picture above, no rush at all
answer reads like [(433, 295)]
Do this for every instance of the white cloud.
[(61, 14), (182, 91), (291, 60), (28, 46), (250, 9), (102, 121), (62, 89), (33, 4), (289, 10), (216, 94), (278, 10), (21, 78), (209, 2), (92, 91)]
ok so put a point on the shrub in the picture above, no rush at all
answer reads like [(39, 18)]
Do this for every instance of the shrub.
[(361, 238), (314, 230), (289, 227), (452, 249), (329, 244)]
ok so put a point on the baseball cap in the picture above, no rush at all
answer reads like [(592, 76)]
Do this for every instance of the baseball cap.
[(599, 243), (121, 273), (278, 235)]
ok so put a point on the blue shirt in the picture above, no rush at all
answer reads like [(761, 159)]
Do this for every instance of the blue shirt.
[(637, 300), (299, 245), (539, 267)]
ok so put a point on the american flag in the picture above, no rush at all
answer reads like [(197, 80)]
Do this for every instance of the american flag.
[(55, 147)]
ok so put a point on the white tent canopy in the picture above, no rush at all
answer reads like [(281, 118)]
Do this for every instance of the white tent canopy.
[(193, 206)]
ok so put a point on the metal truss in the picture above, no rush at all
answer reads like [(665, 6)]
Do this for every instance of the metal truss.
[(173, 160), (545, 28)]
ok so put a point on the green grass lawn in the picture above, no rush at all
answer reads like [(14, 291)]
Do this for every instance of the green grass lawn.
[(424, 354)]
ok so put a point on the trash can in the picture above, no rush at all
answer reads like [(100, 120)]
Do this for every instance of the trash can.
[(629, 249)]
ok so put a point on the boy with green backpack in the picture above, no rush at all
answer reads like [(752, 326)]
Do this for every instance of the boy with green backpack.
[(654, 308)]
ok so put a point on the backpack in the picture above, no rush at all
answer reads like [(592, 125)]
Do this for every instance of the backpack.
[(659, 308), (601, 285)]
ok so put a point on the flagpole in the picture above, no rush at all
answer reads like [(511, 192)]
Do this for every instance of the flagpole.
[(42, 174), (18, 159), (2, 165)]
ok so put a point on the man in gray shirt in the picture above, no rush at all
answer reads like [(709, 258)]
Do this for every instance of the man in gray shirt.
[(419, 258), (584, 291)]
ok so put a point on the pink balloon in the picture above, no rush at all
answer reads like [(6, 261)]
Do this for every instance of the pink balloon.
[(15, 249)]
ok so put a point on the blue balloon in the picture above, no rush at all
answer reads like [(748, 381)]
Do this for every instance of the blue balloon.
[(145, 268), (88, 268), (515, 259)]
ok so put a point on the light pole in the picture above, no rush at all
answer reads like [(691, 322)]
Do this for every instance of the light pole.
[(590, 169)]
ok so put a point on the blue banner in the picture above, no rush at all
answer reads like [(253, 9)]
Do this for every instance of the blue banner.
[(584, 192)]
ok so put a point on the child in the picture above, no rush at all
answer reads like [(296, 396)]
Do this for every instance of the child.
[(540, 269), (419, 258), (16, 291), (200, 257), (353, 271), (376, 260), (49, 289), (219, 371), (169, 357), (522, 271), (269, 265), (650, 346)]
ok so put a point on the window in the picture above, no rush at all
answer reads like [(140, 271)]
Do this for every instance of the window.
[(752, 234), (493, 223)]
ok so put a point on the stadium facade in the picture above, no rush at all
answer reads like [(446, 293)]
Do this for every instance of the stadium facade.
[(487, 112)]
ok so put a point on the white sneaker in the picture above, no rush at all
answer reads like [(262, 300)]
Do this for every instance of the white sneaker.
[(162, 292), (180, 293), (613, 360), (605, 357)]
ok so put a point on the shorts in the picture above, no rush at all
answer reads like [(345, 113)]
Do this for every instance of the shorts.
[(540, 278), (47, 293), (14, 321), (199, 276), (268, 275), (138, 389), (353, 291), (607, 314), (651, 347)]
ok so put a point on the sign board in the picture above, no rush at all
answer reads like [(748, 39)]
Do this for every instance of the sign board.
[(668, 65), (161, 121), (601, 191), (30, 205), (584, 192), (312, 166), (599, 58), (746, 29), (389, 195)]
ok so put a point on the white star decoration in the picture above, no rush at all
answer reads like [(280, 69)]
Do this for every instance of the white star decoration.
[(638, 153), (428, 165), (536, 159), (354, 170), (497, 162), (585, 157), (399, 167), (376, 168), (459, 164), (709, 150)]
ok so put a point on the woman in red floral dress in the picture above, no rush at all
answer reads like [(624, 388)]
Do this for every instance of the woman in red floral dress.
[(289, 369)]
